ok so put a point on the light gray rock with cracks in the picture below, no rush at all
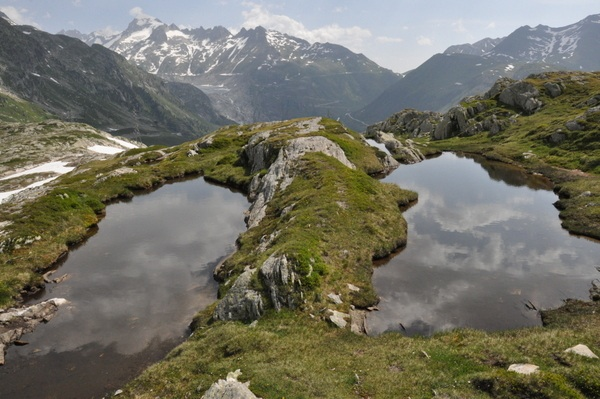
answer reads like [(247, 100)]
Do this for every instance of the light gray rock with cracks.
[(241, 302), (230, 388)]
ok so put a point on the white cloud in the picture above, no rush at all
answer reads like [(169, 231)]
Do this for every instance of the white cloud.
[(424, 41), (459, 26), (386, 39), (76, 3), (491, 25), (138, 13), (352, 37), (18, 16)]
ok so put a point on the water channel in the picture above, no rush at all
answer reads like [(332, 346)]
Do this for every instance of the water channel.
[(133, 289), (485, 250)]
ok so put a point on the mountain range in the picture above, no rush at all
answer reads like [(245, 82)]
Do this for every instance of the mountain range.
[(255, 74), (92, 84), (468, 69)]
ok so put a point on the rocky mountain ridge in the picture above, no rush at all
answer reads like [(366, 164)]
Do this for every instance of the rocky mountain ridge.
[(76, 82), (465, 70), (255, 74)]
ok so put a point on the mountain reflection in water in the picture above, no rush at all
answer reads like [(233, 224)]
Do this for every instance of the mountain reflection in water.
[(484, 245)]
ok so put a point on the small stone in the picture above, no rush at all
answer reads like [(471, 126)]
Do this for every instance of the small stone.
[(338, 318), (118, 392), (354, 288), (582, 350), (335, 298), (524, 368)]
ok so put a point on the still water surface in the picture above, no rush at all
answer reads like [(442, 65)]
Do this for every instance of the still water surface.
[(134, 288), (484, 244)]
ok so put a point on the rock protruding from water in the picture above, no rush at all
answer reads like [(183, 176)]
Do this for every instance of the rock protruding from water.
[(14, 323), (241, 302), (230, 388), (582, 350)]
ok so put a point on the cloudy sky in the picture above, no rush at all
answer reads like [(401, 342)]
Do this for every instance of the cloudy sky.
[(397, 34)]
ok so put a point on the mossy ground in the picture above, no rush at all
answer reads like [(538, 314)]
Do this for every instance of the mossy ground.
[(290, 355)]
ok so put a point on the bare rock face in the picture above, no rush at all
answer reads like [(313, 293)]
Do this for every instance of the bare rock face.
[(454, 122), (279, 277), (241, 302)]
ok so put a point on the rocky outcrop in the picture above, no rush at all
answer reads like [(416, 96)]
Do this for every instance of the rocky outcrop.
[(453, 123), (230, 388), (279, 277), (407, 122), (281, 172), (241, 302), (554, 89), (522, 96), (14, 323), (404, 152)]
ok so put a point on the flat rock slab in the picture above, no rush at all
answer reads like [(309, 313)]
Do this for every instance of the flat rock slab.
[(524, 368)]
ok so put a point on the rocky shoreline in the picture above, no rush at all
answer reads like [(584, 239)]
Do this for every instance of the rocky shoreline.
[(16, 322)]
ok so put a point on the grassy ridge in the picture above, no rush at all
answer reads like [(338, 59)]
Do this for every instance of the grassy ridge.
[(338, 220)]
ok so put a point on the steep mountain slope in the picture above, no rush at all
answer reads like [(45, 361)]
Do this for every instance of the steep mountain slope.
[(94, 85), (256, 74), (465, 70)]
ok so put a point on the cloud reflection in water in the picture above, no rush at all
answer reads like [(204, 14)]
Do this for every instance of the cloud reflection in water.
[(478, 250)]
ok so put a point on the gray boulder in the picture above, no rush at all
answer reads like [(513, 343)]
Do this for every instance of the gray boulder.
[(521, 95), (553, 89)]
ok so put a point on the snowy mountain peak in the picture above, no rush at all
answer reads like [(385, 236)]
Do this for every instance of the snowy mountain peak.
[(6, 18)]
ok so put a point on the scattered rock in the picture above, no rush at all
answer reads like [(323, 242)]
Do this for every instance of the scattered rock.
[(335, 298), (553, 89), (338, 318), (230, 388), (557, 137), (358, 322), (574, 125), (353, 288), (582, 350), (524, 368)]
